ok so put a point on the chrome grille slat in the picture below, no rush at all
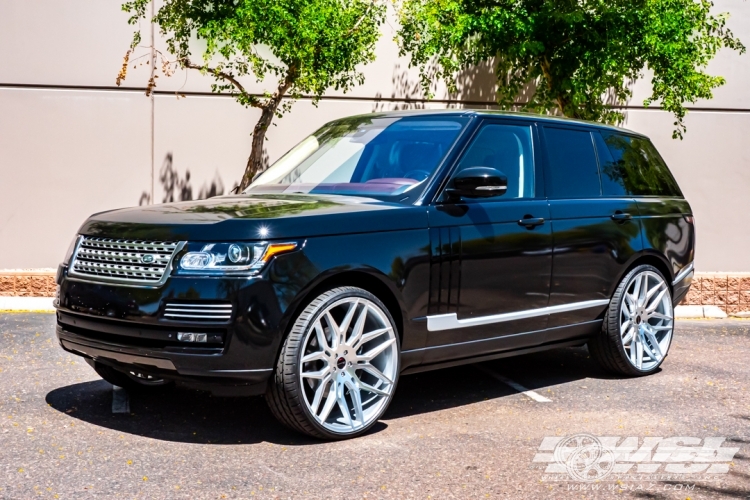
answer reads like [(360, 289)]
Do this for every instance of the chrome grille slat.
[(120, 261), (198, 311)]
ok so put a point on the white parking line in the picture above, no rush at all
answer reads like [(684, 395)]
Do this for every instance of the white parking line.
[(515, 385), (120, 400)]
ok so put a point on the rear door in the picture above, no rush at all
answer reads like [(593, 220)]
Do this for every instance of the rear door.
[(594, 235)]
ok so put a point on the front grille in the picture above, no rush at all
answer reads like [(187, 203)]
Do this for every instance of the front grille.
[(132, 262), (198, 311)]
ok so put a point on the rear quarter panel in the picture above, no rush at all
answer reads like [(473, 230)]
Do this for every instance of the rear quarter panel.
[(666, 232)]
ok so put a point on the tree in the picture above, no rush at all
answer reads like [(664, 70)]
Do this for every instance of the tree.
[(306, 46), (576, 56)]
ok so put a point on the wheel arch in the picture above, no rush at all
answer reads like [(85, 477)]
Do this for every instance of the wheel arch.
[(651, 258), (374, 282)]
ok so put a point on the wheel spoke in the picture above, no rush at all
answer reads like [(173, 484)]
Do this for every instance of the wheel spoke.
[(372, 335), (655, 303), (637, 289), (348, 319), (654, 349), (357, 401), (320, 374), (628, 337), (625, 328), (644, 291), (321, 336), (319, 394), (660, 316), (630, 304), (375, 351), (372, 369), (335, 332), (329, 404), (660, 327), (638, 350), (314, 356), (343, 405), (654, 290), (369, 388), (359, 326)]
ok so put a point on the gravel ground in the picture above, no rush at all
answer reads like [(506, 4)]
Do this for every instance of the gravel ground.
[(454, 433)]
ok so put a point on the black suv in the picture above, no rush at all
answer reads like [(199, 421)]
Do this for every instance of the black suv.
[(383, 245)]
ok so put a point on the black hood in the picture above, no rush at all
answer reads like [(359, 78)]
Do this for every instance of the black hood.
[(255, 217)]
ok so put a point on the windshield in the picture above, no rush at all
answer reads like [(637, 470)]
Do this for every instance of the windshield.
[(364, 156)]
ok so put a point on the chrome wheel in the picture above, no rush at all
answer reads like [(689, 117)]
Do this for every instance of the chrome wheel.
[(646, 320), (348, 365)]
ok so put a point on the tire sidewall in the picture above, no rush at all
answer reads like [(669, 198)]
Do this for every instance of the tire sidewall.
[(300, 328), (614, 322)]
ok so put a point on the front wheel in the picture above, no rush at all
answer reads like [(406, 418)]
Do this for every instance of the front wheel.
[(338, 367), (638, 325)]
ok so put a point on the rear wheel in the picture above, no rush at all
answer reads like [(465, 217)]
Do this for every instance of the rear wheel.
[(338, 367), (133, 380), (638, 326)]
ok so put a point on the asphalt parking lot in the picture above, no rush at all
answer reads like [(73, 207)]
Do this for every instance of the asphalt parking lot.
[(457, 433)]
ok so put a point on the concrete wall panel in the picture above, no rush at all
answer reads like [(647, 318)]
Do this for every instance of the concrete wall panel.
[(63, 156), (71, 42), (712, 166)]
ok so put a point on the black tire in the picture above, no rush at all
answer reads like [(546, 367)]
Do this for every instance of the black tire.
[(607, 347), (284, 394), (129, 382)]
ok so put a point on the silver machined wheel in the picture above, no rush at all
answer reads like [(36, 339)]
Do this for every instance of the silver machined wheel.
[(646, 320), (348, 365)]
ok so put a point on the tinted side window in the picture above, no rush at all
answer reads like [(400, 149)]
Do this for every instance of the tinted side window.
[(508, 149), (573, 171), (632, 166)]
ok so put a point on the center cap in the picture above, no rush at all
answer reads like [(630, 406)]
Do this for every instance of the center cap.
[(341, 363)]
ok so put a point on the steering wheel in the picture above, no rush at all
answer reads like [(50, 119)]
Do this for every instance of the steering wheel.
[(418, 175)]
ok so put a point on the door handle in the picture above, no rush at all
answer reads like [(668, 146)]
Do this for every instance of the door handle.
[(531, 222), (621, 216)]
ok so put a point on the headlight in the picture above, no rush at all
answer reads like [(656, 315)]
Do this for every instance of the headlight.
[(239, 259), (70, 251)]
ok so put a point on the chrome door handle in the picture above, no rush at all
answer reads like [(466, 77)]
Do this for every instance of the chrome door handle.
[(531, 222), (621, 216)]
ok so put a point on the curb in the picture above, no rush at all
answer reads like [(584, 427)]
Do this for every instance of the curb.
[(692, 312), (26, 304)]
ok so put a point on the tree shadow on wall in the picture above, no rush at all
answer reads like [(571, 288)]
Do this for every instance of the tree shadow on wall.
[(476, 89), (180, 188)]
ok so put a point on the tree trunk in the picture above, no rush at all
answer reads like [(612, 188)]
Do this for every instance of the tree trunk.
[(255, 161)]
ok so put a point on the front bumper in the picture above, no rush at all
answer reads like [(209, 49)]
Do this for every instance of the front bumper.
[(130, 329)]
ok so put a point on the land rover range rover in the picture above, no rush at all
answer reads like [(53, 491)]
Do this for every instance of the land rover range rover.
[(384, 245)]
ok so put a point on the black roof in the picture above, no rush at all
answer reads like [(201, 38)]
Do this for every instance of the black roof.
[(487, 112)]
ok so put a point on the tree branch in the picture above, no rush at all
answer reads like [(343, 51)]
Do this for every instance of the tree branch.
[(252, 100)]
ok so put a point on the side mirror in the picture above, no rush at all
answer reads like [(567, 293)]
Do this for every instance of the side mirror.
[(478, 182)]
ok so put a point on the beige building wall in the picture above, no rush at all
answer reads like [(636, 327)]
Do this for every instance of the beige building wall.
[(72, 143)]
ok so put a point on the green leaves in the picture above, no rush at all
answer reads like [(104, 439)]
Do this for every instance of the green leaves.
[(306, 46), (576, 57)]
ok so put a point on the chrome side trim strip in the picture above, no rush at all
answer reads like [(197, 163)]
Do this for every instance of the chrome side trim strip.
[(683, 274), (501, 337), (450, 321)]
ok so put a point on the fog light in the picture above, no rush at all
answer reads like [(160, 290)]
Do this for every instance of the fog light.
[(192, 337)]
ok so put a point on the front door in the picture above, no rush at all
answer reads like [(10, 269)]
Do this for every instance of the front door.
[(491, 257)]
